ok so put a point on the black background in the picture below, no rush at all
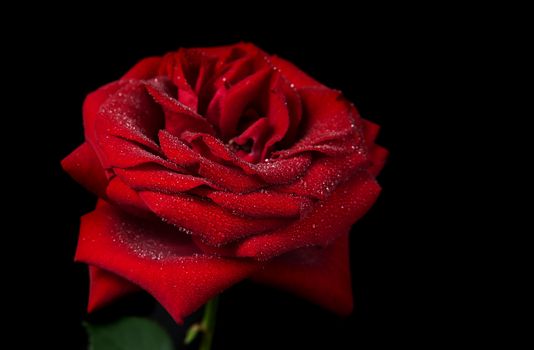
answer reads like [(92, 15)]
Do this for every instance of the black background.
[(389, 64)]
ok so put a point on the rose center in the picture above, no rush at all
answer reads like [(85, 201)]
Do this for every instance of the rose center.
[(245, 148)]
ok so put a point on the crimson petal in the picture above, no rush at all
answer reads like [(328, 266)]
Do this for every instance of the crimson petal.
[(84, 166), (91, 107), (137, 250), (117, 152), (327, 221), (377, 154), (275, 171), (177, 151), (277, 112), (123, 196), (321, 275), (213, 224), (328, 117), (178, 116), (106, 287), (145, 69), (156, 178), (325, 174), (282, 171), (231, 178), (130, 113), (262, 204), (235, 100), (293, 74), (172, 67)]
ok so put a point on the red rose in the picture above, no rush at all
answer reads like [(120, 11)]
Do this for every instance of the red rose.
[(213, 165)]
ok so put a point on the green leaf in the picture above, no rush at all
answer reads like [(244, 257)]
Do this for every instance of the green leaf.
[(129, 333)]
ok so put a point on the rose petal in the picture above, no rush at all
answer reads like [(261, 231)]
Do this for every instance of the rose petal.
[(325, 174), (153, 177), (213, 110), (234, 64), (326, 222), (214, 147), (294, 107), (294, 74), (177, 151), (171, 67), (106, 287), (84, 167), (199, 67), (262, 204), (130, 113), (238, 97), (117, 152), (230, 178), (119, 125), (123, 196), (178, 116), (145, 69), (370, 131), (276, 171), (277, 113), (193, 70), (321, 275), (342, 146), (257, 134), (137, 250), (378, 156), (328, 117), (91, 107), (239, 63), (213, 224), (283, 171)]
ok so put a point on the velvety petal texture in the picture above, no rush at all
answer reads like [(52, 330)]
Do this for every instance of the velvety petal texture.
[(321, 275), (155, 257), (213, 165)]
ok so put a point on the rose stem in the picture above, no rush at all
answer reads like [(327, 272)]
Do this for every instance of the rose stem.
[(208, 323)]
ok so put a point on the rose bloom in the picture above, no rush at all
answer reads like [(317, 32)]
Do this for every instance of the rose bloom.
[(213, 165)]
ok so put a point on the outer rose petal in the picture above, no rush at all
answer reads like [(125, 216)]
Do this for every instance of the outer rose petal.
[(262, 204), (321, 275), (293, 74), (145, 69), (159, 179), (377, 154), (329, 117), (106, 287), (325, 174), (83, 165), (130, 113), (123, 196), (91, 106), (230, 178), (370, 131), (137, 250), (213, 224), (177, 151), (327, 221)]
